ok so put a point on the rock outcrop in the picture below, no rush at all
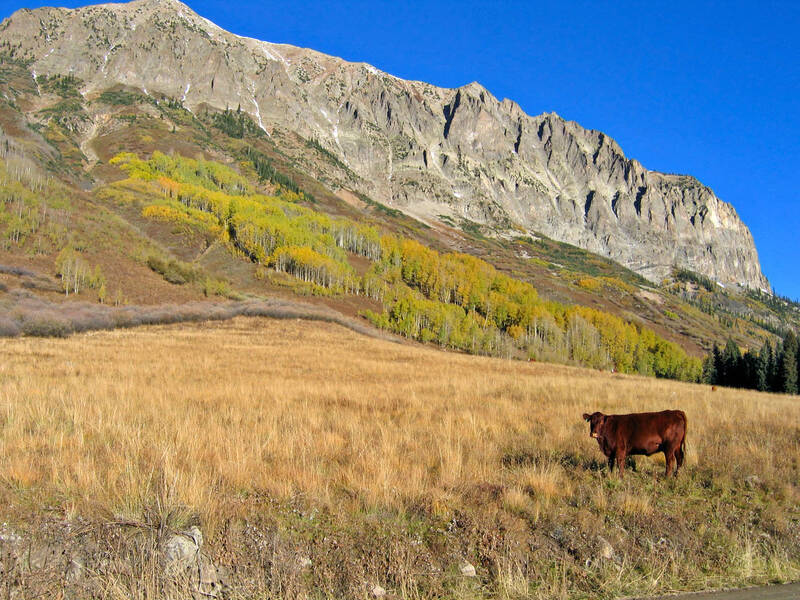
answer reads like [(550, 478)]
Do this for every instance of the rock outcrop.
[(435, 153)]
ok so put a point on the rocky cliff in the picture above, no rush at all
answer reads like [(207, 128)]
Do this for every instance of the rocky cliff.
[(437, 154)]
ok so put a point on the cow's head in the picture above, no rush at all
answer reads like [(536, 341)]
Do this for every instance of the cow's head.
[(596, 422)]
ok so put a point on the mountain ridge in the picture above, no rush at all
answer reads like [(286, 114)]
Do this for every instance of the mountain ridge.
[(438, 154)]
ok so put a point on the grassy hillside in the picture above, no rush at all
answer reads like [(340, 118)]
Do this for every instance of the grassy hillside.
[(174, 252), (319, 463), (453, 299)]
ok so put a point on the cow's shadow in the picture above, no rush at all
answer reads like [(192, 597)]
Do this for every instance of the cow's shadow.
[(568, 460), (576, 461)]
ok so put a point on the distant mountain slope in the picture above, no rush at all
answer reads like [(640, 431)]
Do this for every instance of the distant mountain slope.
[(441, 155)]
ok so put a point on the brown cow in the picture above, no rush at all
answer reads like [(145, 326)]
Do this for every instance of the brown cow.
[(620, 436)]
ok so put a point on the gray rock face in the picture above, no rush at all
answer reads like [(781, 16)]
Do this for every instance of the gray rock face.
[(429, 151)]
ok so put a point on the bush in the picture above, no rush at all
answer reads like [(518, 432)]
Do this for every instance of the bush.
[(590, 283), (46, 325), (9, 327), (173, 271), (216, 287)]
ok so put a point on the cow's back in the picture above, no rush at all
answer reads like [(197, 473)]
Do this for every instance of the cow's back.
[(648, 431)]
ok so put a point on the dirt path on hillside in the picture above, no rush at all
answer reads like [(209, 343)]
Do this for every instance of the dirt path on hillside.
[(771, 592)]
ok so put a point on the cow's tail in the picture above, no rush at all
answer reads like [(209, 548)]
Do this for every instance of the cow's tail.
[(682, 450)]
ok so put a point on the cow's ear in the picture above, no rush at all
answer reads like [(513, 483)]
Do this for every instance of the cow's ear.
[(586, 416)]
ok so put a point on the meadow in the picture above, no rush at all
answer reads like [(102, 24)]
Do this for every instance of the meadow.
[(318, 462)]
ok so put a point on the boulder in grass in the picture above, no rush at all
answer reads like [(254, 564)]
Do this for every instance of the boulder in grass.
[(467, 569)]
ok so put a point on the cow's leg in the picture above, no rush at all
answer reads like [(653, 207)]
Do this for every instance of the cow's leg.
[(611, 464), (678, 459), (621, 462), (679, 456), (669, 456)]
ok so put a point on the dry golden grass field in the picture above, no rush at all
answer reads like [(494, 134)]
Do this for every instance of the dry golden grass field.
[(319, 463)]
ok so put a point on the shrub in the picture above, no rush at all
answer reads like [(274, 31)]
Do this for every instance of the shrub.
[(216, 287), (173, 271), (9, 327), (590, 283), (47, 324)]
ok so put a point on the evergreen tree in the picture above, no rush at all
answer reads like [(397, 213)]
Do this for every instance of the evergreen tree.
[(775, 367), (764, 367), (710, 369), (731, 365), (748, 370), (788, 365), (719, 367), (797, 367)]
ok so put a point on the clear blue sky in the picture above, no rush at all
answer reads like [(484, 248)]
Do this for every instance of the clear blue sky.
[(710, 89)]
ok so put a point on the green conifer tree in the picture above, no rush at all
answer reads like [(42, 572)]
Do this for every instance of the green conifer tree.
[(710, 369), (731, 365), (719, 367), (763, 367), (748, 371), (788, 365)]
